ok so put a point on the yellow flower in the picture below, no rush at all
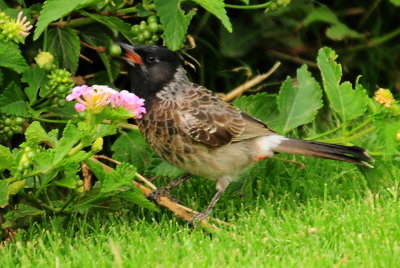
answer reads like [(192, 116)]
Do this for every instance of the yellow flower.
[(43, 58), (384, 97)]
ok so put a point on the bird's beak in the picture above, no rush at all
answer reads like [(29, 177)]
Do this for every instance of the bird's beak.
[(130, 55)]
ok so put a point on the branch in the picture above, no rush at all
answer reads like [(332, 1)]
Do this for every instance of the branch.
[(251, 83)]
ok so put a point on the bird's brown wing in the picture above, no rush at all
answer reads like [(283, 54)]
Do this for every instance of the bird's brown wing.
[(211, 121)]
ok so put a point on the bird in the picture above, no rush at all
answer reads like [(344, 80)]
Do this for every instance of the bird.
[(190, 127)]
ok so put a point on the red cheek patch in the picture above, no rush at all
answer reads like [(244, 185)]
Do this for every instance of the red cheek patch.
[(132, 56)]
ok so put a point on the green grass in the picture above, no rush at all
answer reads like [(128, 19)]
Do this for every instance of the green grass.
[(321, 216)]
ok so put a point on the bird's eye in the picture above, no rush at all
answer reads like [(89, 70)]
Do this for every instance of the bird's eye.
[(150, 59)]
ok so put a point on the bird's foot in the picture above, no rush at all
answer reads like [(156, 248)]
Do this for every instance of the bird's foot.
[(157, 193), (198, 217)]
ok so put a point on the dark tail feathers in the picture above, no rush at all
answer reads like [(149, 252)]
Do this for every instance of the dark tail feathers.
[(352, 154)]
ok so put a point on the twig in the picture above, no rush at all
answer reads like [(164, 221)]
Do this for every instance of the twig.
[(87, 177), (85, 58), (293, 58), (98, 48), (251, 83), (178, 210)]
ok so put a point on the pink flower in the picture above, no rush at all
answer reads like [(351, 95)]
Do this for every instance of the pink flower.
[(23, 24), (95, 98), (129, 101)]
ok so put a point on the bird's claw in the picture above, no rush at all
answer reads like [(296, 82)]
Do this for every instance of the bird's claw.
[(198, 217), (157, 193)]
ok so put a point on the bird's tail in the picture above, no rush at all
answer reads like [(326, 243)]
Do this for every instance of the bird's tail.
[(352, 154)]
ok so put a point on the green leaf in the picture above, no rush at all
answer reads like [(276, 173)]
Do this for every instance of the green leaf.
[(337, 30), (217, 8), (132, 148), (113, 23), (67, 181), (341, 31), (119, 178), (175, 22), (262, 106), (386, 131), (395, 2), (36, 78), (71, 135), (10, 57), (135, 196), (3, 193), (53, 10), (12, 101), (36, 134), (43, 161), (7, 158), (166, 170), (298, 103), (345, 101), (97, 169), (64, 44)]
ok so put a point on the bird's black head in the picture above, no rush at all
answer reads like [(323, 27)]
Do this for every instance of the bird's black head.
[(150, 68)]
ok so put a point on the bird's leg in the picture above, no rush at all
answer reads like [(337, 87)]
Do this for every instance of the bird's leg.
[(222, 184), (155, 194)]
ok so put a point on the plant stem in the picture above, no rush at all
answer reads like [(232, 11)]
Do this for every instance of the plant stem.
[(350, 138), (360, 126), (265, 5), (324, 134), (51, 120), (77, 148)]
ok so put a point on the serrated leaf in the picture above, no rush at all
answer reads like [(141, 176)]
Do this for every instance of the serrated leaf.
[(135, 196), (217, 8), (36, 134), (113, 23), (262, 106), (7, 158), (71, 135), (10, 57), (36, 78), (132, 148), (121, 177), (175, 22), (166, 170), (12, 101), (298, 104), (64, 44), (53, 10), (345, 101)]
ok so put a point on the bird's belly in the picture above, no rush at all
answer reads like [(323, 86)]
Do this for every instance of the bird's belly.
[(197, 159)]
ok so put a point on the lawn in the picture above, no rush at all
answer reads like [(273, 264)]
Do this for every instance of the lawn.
[(322, 216)]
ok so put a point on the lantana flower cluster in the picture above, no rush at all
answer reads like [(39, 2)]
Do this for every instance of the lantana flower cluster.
[(14, 29), (384, 97), (95, 98)]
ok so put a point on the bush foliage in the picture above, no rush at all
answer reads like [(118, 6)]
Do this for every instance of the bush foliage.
[(46, 146)]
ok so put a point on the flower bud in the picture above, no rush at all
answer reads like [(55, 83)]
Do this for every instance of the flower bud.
[(97, 145), (44, 58)]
